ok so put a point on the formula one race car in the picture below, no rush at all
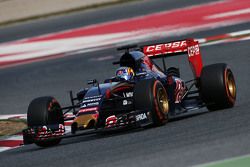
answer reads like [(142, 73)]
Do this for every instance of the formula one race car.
[(140, 95)]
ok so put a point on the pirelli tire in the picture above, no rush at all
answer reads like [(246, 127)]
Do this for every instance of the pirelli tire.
[(150, 95), (218, 88), (44, 111)]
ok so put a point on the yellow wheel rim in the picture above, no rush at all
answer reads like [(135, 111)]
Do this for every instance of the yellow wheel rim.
[(163, 100), (231, 87)]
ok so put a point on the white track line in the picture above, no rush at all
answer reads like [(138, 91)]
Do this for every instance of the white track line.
[(5, 148), (21, 116), (239, 33), (228, 14)]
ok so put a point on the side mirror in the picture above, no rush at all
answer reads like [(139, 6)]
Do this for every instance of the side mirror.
[(95, 82), (92, 82), (116, 62), (141, 74), (80, 95)]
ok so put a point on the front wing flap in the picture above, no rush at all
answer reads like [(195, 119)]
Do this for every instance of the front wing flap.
[(43, 133)]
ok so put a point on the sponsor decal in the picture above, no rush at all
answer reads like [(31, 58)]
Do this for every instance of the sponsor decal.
[(91, 100), (179, 90), (125, 102), (141, 117), (111, 121), (88, 109), (167, 46), (90, 104), (128, 94), (93, 104), (193, 50), (92, 97)]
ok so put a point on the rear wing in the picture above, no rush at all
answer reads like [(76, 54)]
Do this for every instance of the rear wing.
[(189, 46)]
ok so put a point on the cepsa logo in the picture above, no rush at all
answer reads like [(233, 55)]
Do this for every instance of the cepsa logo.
[(193, 50), (165, 47)]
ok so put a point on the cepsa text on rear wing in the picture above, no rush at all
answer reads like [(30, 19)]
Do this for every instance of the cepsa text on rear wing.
[(189, 46)]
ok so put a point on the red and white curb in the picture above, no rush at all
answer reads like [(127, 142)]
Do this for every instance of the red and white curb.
[(13, 116), (153, 26), (226, 38), (10, 142), (15, 141)]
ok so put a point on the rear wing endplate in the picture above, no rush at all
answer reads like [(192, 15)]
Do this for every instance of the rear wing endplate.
[(189, 46)]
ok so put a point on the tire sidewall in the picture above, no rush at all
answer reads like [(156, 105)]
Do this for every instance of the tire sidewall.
[(145, 97), (45, 111), (213, 86)]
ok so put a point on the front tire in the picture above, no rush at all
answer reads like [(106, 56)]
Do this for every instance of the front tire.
[(44, 111), (150, 95), (218, 88)]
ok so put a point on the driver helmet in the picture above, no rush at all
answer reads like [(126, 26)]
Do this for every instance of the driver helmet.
[(126, 73)]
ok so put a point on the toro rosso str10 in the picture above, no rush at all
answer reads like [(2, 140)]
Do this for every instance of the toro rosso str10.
[(141, 94)]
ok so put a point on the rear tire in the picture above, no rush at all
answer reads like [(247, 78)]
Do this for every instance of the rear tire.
[(44, 111), (150, 95), (218, 89)]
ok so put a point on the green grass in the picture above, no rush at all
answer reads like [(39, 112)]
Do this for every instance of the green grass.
[(242, 161)]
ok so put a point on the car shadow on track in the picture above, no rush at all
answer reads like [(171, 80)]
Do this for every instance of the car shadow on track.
[(120, 132), (80, 138)]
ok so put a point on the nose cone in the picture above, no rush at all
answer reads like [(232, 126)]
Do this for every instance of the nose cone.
[(86, 118)]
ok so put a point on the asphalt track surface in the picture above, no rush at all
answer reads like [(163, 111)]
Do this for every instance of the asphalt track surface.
[(186, 142)]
